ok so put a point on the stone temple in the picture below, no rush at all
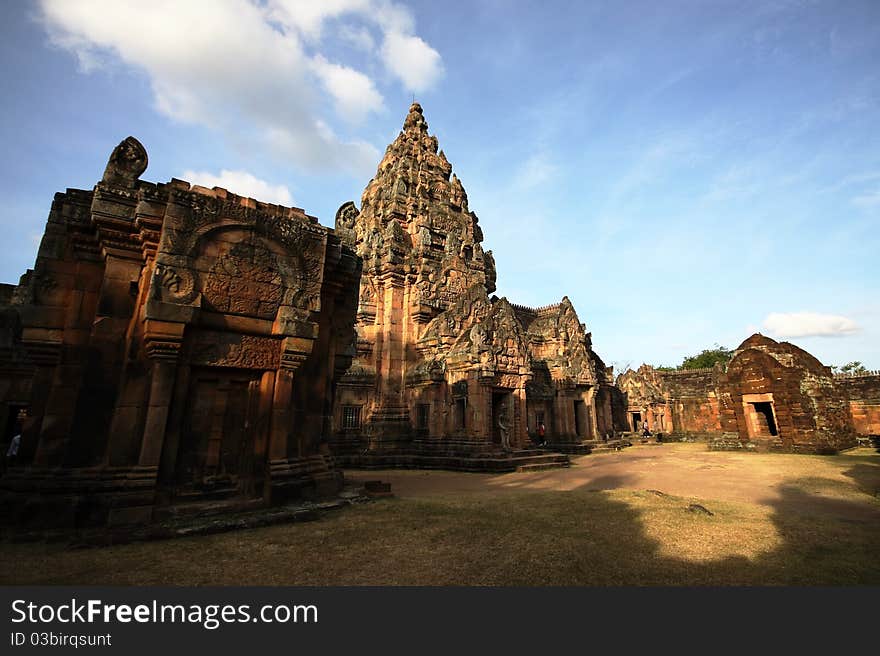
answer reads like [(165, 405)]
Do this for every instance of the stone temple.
[(442, 368), (178, 349)]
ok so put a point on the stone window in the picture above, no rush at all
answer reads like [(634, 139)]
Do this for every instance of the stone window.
[(351, 417)]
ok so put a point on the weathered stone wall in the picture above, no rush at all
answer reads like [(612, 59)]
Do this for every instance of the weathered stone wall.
[(693, 400), (773, 395), (863, 395)]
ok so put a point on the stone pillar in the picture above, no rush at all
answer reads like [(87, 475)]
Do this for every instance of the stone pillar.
[(162, 341), (279, 430), (390, 422), (591, 401), (263, 421), (520, 437), (294, 352)]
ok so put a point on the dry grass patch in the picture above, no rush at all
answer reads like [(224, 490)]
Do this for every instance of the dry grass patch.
[(618, 537)]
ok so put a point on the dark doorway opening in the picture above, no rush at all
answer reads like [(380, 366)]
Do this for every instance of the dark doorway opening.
[(766, 419), (636, 421)]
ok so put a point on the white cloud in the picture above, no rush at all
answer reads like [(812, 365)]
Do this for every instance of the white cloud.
[(241, 183), (353, 92), (412, 60), (249, 68), (868, 199), (308, 16), (809, 324), (534, 171), (359, 37)]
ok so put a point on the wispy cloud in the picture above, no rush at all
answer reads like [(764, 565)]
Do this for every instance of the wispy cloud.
[(870, 199), (534, 171), (241, 183), (809, 324)]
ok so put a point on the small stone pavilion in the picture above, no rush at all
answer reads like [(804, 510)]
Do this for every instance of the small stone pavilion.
[(172, 346), (443, 367)]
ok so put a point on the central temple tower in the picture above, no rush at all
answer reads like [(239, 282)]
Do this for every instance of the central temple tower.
[(439, 364)]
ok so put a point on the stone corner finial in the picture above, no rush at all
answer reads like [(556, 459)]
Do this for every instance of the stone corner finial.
[(127, 162)]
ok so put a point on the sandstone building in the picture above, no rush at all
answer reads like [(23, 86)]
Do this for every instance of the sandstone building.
[(172, 345), (770, 395), (441, 365)]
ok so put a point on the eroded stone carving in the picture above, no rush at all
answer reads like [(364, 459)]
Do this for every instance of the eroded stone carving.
[(127, 163)]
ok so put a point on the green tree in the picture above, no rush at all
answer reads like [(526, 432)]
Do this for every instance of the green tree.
[(854, 367), (707, 358)]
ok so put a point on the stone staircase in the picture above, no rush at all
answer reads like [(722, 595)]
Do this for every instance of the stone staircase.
[(521, 460)]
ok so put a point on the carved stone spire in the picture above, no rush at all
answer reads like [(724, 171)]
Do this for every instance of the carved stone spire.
[(415, 219)]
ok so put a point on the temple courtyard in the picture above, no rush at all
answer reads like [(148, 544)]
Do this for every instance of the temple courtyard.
[(670, 514)]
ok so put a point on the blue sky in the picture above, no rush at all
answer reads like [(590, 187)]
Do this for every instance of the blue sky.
[(686, 172)]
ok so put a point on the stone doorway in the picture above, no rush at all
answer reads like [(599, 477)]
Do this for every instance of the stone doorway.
[(501, 402), (216, 454), (636, 420), (760, 415)]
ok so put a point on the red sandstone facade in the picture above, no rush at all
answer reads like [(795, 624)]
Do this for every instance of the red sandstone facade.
[(173, 344)]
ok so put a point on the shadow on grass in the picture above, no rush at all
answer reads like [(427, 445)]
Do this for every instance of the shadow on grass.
[(866, 477), (596, 535)]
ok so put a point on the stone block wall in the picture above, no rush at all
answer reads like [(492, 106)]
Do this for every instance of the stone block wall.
[(863, 395)]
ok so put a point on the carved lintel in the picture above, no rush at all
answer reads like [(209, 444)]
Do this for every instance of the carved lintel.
[(221, 349)]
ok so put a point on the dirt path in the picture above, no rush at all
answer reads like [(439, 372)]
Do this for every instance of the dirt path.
[(847, 484)]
